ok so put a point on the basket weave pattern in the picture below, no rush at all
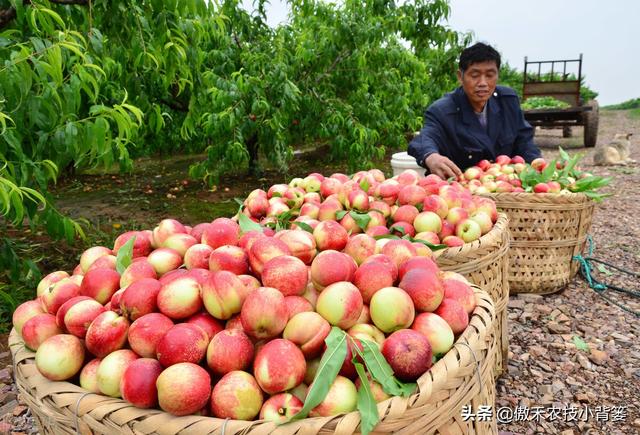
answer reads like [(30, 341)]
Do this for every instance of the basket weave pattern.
[(546, 232), (485, 263), (464, 376)]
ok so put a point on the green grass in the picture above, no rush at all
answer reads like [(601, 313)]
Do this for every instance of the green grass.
[(635, 113), (633, 103)]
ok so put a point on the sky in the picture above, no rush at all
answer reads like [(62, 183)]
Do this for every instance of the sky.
[(607, 33)]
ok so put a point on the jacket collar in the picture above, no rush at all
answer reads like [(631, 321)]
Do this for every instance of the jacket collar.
[(468, 116)]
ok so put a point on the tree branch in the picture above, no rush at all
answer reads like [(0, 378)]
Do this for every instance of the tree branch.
[(178, 106), (10, 14)]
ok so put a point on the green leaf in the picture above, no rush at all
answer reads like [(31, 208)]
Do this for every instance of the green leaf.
[(398, 229), (387, 236), (366, 403), (304, 226), (362, 219), (604, 270), (328, 370), (340, 214), (580, 344), (382, 372), (364, 185), (429, 245), (246, 224), (125, 255), (563, 154)]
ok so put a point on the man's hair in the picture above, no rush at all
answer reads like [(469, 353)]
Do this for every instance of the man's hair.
[(478, 52)]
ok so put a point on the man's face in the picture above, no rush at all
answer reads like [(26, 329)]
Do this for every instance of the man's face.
[(479, 82)]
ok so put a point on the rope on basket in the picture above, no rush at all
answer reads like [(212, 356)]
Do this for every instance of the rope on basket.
[(75, 411), (601, 287), (477, 364), (224, 426)]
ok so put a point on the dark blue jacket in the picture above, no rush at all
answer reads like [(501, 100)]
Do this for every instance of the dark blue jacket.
[(452, 129)]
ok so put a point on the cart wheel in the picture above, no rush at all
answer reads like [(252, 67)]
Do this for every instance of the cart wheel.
[(591, 124), (566, 131)]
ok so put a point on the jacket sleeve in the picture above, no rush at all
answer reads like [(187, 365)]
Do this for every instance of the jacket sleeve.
[(524, 145), (430, 139)]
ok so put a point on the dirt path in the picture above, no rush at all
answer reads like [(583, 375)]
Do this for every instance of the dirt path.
[(546, 370)]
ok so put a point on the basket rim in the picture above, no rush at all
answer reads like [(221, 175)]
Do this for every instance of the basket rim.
[(481, 322), (493, 236), (567, 197)]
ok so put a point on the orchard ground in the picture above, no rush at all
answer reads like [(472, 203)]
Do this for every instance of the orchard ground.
[(549, 377)]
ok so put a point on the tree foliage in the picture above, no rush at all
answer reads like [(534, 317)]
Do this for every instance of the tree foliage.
[(95, 83)]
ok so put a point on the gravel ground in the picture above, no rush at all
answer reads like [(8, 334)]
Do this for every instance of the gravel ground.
[(554, 383), (552, 386)]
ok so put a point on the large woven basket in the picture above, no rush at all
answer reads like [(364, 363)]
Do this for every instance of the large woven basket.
[(547, 230), (464, 376), (485, 263)]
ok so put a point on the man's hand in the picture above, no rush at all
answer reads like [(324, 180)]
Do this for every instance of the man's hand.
[(442, 166)]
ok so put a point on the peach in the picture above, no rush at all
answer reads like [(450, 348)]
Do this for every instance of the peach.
[(26, 311), (405, 213), (137, 271), (138, 383), (197, 231), (279, 366), (60, 357), (301, 243), (328, 209), (180, 243), (409, 354), (146, 332), (223, 294), (417, 263), (141, 244), (308, 331), (264, 313), (391, 308), (165, 228), (399, 251), (80, 315), (287, 274), (140, 298), (425, 288), (330, 235), (365, 331), (263, 250), (371, 277), (183, 388), (111, 369), (341, 398), (236, 396), (50, 280), (411, 195), (180, 298), (107, 333), (280, 408), (385, 260), (437, 331), (89, 376), (222, 231), (454, 314), (462, 292), (229, 257), (184, 342), (90, 255), (38, 328), (53, 297), (164, 260), (229, 350), (332, 266), (208, 323), (297, 304), (340, 304), (360, 247)]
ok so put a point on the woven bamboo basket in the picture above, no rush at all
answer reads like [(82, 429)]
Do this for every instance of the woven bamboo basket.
[(464, 376), (546, 232), (485, 263)]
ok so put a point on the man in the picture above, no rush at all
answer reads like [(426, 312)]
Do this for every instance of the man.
[(477, 121)]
